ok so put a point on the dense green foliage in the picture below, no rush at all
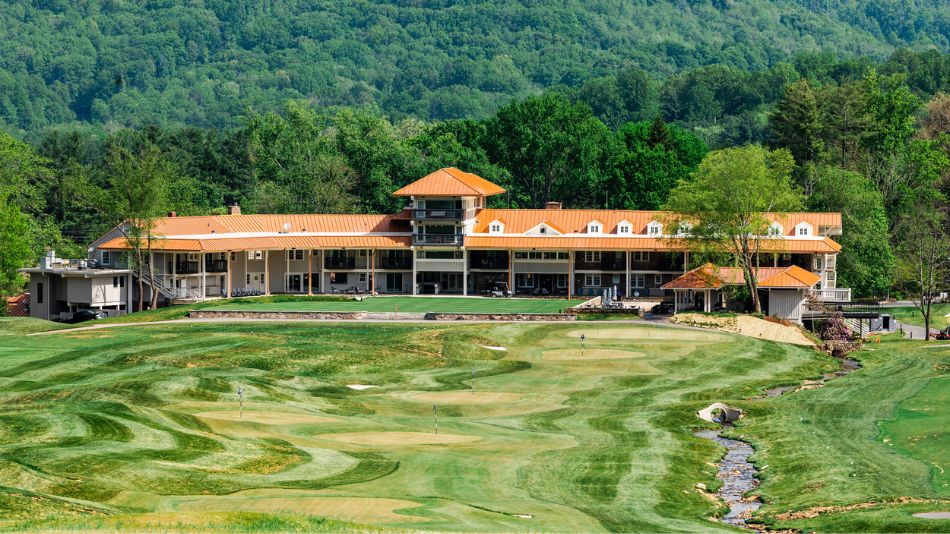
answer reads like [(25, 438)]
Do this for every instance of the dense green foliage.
[(207, 63)]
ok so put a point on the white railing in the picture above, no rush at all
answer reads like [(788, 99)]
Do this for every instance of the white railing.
[(165, 286), (839, 294)]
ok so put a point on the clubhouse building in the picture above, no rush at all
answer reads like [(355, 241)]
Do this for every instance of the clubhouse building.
[(445, 241)]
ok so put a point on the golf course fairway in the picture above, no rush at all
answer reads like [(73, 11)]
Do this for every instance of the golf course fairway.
[(141, 427)]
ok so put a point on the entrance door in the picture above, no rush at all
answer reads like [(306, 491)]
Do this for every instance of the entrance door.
[(294, 283), (394, 282), (255, 281)]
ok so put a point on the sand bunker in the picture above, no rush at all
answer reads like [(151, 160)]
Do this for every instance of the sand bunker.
[(267, 418), (360, 387), (460, 397), (490, 347), (360, 509), (589, 354), (745, 325), (933, 515), (398, 438)]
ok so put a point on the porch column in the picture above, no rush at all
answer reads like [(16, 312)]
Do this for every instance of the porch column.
[(372, 273), (309, 272), (685, 260), (414, 288), (246, 277), (320, 266), (464, 272), (707, 305), (266, 272), (128, 291), (202, 282), (774, 259), (628, 254), (227, 255), (175, 274), (511, 271), (570, 273)]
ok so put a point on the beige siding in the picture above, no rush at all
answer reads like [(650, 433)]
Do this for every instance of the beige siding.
[(786, 304)]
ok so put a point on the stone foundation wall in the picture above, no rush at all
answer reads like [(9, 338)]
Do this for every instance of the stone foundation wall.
[(500, 317), (632, 312), (287, 315)]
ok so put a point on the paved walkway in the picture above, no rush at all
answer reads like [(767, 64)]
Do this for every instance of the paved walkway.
[(913, 331)]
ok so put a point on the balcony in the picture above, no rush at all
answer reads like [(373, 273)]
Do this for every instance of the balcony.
[(489, 263), (340, 263), (842, 294), (216, 266), (395, 263), (606, 264), (437, 239), (186, 267), (437, 214)]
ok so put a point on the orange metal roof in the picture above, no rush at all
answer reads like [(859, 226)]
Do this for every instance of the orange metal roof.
[(270, 243), (518, 221), (709, 276), (557, 242), (450, 182), (323, 223)]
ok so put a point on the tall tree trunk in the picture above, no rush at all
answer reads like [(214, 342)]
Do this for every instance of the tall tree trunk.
[(153, 301), (138, 262)]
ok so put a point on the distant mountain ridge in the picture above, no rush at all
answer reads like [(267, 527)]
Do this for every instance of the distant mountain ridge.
[(207, 62)]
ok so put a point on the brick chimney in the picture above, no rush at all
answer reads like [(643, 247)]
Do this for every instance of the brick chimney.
[(234, 209), (172, 214), (552, 205)]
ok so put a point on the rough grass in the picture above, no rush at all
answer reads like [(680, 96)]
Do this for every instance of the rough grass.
[(115, 423), (416, 304)]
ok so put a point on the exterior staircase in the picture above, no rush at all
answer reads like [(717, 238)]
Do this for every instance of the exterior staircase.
[(166, 288), (18, 306)]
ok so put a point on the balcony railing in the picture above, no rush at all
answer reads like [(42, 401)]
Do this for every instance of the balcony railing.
[(434, 213), (395, 263), (340, 263), (216, 266), (489, 263), (602, 265), (437, 239), (842, 294), (186, 267)]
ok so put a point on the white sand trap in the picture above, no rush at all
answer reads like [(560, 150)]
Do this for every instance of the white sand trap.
[(267, 418), (933, 515), (490, 347), (360, 387), (359, 509), (589, 354), (461, 397), (398, 438)]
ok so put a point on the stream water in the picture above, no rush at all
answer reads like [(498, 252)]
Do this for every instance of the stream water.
[(737, 474)]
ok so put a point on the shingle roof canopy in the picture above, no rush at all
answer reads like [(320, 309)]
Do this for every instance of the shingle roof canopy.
[(450, 182), (709, 276)]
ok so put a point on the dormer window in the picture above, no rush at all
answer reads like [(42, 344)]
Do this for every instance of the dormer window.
[(496, 227), (683, 230), (654, 229), (803, 229), (594, 227), (543, 230), (624, 228), (776, 230)]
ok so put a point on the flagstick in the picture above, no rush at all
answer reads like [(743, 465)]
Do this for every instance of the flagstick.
[(435, 415)]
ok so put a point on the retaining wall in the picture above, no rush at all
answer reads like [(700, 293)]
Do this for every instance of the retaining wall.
[(285, 315), (501, 317)]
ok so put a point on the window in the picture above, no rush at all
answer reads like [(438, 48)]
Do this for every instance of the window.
[(362, 277), (496, 227), (521, 255), (658, 280), (776, 230), (337, 278), (641, 256), (638, 280), (192, 256), (362, 253), (592, 256), (654, 228), (118, 281), (818, 262), (524, 280), (623, 229), (615, 279), (803, 229), (440, 254), (255, 255), (39, 293), (248, 279), (561, 281), (543, 230), (106, 257), (592, 280), (593, 228), (295, 255)]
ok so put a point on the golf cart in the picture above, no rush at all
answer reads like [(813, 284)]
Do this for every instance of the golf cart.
[(500, 289), (943, 334)]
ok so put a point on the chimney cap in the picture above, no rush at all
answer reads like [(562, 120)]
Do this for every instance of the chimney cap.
[(172, 214)]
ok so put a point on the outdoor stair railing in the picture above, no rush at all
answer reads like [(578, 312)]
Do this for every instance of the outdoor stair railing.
[(164, 285)]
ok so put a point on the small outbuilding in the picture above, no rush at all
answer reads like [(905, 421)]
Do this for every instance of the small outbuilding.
[(782, 290)]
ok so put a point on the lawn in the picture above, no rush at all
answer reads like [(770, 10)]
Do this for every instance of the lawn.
[(141, 428), (407, 304), (939, 315)]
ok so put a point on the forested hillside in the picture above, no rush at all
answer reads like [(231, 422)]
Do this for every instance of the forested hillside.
[(207, 63)]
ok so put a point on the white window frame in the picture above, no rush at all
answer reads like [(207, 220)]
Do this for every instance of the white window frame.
[(362, 277), (105, 257), (592, 256), (496, 227), (776, 230), (592, 280), (658, 280), (803, 229), (594, 227), (255, 255), (292, 254), (638, 280), (654, 228), (522, 279), (623, 229), (560, 281), (641, 256)]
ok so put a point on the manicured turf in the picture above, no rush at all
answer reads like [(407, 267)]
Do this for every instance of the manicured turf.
[(412, 305), (142, 426), (910, 315)]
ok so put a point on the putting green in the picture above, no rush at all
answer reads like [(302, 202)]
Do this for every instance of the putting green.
[(460, 397), (590, 354), (267, 418), (398, 439)]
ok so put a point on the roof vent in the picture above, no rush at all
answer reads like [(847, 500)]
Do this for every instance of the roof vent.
[(552, 205), (286, 228)]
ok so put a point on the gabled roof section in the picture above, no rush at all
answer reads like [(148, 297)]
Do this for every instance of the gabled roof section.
[(536, 228), (710, 276), (450, 182)]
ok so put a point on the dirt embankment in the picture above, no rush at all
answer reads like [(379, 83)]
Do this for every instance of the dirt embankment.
[(745, 325)]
